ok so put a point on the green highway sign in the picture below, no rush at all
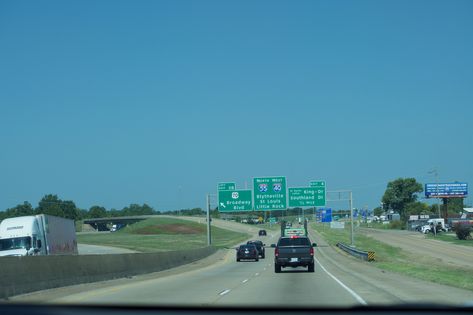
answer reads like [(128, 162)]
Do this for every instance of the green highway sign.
[(234, 200), (270, 193), (226, 186), (317, 183), (305, 197), (321, 192)]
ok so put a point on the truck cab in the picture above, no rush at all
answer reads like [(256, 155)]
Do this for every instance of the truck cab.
[(37, 235), (21, 236)]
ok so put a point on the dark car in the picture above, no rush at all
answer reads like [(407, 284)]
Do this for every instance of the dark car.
[(259, 246), (262, 233), (247, 251)]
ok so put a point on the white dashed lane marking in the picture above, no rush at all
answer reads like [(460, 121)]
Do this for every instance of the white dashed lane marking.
[(224, 292)]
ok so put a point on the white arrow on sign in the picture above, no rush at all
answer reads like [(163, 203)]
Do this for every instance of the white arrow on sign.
[(222, 204)]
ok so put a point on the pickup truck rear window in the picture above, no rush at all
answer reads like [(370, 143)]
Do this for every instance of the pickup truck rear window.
[(294, 242)]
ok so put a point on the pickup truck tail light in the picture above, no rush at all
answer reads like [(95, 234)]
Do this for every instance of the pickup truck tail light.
[(312, 251), (276, 252)]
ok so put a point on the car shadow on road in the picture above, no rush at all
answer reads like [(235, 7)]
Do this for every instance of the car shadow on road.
[(294, 271)]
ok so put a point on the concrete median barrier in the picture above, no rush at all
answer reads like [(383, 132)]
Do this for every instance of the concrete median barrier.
[(20, 275)]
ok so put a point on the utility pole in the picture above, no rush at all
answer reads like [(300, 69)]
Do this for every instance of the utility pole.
[(352, 234), (209, 235)]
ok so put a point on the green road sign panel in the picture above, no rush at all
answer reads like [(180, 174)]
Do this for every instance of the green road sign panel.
[(272, 220), (317, 183), (270, 193), (321, 191), (306, 197), (226, 186), (234, 200)]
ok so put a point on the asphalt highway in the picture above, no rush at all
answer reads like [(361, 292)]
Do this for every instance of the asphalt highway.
[(229, 283), (339, 280)]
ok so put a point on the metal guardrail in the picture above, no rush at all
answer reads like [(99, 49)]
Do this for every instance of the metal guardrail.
[(368, 256)]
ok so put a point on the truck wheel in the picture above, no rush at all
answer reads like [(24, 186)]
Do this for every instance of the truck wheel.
[(262, 256), (277, 268), (256, 259), (238, 259), (311, 268)]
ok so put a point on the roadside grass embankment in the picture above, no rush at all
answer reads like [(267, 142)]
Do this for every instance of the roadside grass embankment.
[(451, 238), (164, 234), (395, 259)]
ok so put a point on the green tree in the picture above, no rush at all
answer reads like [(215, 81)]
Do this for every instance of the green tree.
[(70, 210), (97, 212), (399, 193), (50, 204), (417, 207), (454, 205), (53, 205), (18, 211), (378, 211)]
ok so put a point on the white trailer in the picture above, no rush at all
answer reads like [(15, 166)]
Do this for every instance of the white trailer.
[(37, 235)]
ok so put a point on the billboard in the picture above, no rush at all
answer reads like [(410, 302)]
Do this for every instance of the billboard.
[(446, 190)]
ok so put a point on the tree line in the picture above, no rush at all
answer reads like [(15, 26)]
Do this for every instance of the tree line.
[(53, 205)]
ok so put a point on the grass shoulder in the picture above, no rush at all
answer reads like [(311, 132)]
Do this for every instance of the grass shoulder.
[(395, 259), (164, 234), (451, 238)]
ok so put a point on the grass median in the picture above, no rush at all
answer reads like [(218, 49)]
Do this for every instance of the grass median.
[(164, 234), (395, 259)]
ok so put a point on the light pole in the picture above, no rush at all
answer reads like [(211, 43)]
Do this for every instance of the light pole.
[(352, 234)]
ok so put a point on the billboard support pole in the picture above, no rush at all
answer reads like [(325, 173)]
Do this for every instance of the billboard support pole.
[(438, 199)]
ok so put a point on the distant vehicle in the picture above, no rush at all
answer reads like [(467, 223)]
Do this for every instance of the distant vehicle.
[(116, 227), (247, 251), (288, 224), (37, 235), (293, 252), (438, 224), (259, 246), (262, 233)]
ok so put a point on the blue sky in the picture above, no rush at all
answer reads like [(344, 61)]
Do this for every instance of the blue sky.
[(119, 102)]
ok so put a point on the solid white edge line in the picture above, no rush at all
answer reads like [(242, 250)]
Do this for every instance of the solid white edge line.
[(224, 292), (353, 293)]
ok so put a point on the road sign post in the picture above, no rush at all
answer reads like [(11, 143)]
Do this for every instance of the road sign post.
[(270, 193), (209, 235)]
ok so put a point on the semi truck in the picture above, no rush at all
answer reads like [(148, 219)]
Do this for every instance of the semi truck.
[(37, 235)]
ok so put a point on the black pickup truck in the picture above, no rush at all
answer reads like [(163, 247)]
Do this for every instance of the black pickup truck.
[(294, 251)]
